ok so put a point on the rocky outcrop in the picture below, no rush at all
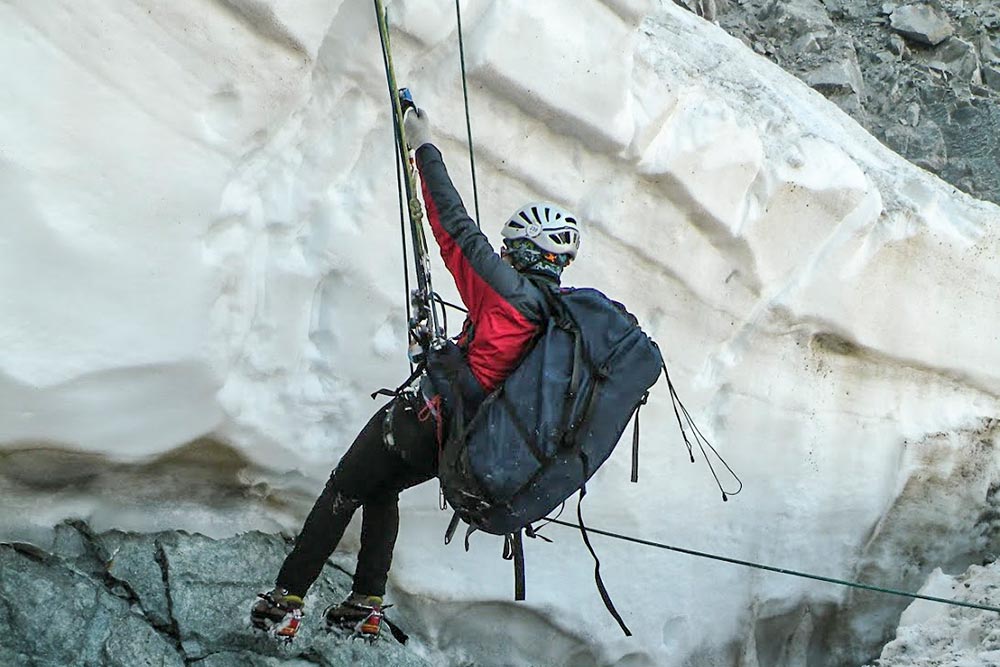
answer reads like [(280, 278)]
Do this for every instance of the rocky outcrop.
[(922, 77), (169, 599), (921, 23)]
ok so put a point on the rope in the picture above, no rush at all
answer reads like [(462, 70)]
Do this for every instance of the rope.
[(422, 259), (402, 229), (400, 160), (468, 119), (780, 570)]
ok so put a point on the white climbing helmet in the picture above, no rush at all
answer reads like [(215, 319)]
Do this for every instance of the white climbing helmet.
[(549, 226)]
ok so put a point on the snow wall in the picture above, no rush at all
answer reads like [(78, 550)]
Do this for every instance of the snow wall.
[(201, 282)]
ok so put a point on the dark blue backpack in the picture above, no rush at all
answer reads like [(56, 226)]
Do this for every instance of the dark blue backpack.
[(539, 437)]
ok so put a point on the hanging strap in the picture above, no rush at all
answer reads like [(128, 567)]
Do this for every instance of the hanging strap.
[(635, 439), (605, 597), (513, 549), (452, 527)]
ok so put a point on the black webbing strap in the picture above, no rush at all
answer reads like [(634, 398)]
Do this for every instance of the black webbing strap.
[(569, 437), (513, 549), (393, 393), (449, 533), (569, 427), (565, 321), (396, 631), (597, 568), (518, 565), (635, 439)]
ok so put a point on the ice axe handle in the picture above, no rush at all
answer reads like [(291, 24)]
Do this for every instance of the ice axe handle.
[(406, 100)]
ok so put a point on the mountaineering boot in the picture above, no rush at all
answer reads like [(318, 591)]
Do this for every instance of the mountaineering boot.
[(360, 614), (278, 613)]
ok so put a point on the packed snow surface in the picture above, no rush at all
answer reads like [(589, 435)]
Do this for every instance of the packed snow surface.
[(201, 283), (949, 636)]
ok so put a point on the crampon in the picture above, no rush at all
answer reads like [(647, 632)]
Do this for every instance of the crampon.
[(360, 617), (278, 614)]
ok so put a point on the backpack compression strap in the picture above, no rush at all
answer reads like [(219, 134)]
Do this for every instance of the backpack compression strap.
[(635, 439), (513, 549)]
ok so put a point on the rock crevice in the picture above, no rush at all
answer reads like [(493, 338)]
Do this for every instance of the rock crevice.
[(171, 599)]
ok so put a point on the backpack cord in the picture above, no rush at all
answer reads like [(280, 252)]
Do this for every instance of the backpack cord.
[(700, 439)]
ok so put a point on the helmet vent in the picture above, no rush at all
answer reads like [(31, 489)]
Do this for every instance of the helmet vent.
[(549, 226)]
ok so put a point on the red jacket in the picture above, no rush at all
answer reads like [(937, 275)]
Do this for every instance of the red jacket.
[(506, 309)]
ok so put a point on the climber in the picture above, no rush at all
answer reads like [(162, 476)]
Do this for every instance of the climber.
[(399, 447)]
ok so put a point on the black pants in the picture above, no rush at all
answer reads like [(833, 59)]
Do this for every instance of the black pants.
[(370, 475)]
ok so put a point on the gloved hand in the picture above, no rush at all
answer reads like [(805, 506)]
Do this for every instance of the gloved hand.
[(418, 128)]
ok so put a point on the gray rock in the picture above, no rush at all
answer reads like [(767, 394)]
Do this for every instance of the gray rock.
[(844, 8), (956, 57), (168, 599), (924, 144), (991, 77), (897, 45), (706, 9), (839, 78), (213, 583), (134, 559), (989, 15), (788, 20), (989, 50), (72, 619), (808, 43), (133, 642), (921, 23), (246, 659)]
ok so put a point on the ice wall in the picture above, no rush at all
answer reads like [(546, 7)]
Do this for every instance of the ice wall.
[(202, 283)]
